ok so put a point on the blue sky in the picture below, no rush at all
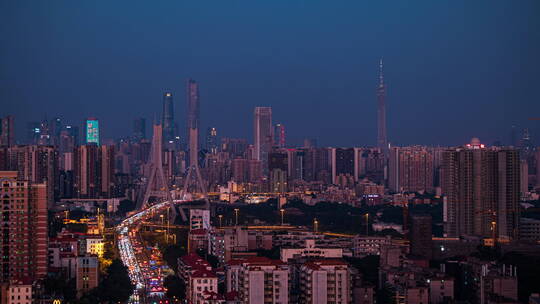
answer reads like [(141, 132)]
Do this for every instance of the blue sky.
[(454, 69)]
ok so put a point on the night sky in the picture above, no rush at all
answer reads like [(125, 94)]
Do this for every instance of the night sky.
[(454, 69)]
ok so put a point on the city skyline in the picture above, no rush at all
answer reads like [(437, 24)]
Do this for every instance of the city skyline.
[(257, 152), (480, 80)]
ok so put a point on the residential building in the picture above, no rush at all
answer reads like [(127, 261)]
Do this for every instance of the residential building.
[(24, 227), (482, 191), (411, 169), (198, 277), (325, 281), (87, 275), (258, 280)]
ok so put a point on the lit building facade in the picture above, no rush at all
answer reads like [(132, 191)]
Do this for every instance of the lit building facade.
[(92, 131)]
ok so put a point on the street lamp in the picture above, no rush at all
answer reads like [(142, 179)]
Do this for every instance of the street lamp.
[(236, 215), (220, 219), (316, 225), (282, 211)]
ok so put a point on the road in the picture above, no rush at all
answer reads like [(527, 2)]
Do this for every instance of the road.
[(143, 271)]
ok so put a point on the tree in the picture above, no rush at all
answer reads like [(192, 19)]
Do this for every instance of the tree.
[(385, 295), (368, 266), (58, 287), (77, 227), (126, 206), (171, 254), (176, 288), (116, 287), (273, 253), (211, 259)]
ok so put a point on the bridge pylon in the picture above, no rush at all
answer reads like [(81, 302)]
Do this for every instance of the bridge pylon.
[(157, 186)]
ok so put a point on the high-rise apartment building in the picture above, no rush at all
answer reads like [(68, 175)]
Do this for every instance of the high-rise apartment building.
[(371, 164), (278, 167), (343, 163), (167, 119), (87, 171), (263, 135), (23, 245), (239, 170), (36, 164), (92, 131), (236, 147), (7, 131), (420, 236), (481, 187), (107, 170), (411, 169), (279, 135)]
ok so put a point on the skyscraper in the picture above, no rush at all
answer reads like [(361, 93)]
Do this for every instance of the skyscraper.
[(211, 140), (167, 120), (482, 190), (263, 135), (279, 133), (382, 141), (45, 133), (92, 131), (193, 120), (33, 132), (7, 131), (139, 129), (55, 127)]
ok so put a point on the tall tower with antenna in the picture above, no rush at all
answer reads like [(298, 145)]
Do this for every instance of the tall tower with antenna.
[(382, 141)]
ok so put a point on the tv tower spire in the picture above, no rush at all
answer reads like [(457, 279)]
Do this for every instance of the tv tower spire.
[(381, 75), (382, 141)]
